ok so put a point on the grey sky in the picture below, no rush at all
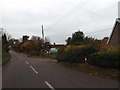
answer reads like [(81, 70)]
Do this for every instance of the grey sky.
[(60, 17)]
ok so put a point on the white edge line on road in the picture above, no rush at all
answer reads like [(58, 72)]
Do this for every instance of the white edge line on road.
[(34, 70), (50, 86), (27, 62)]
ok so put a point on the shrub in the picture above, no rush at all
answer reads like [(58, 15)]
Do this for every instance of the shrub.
[(5, 57), (52, 56), (109, 58), (68, 47), (76, 54)]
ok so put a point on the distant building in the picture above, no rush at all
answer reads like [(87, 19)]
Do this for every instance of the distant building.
[(104, 41), (115, 35), (57, 46), (35, 38), (54, 48)]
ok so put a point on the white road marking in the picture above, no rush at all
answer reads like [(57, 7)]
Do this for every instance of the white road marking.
[(33, 69), (27, 62), (50, 86)]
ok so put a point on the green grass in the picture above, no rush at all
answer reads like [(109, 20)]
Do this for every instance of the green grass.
[(53, 56), (107, 73), (5, 57)]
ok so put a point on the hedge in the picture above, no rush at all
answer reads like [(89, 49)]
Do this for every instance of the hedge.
[(108, 59), (76, 54)]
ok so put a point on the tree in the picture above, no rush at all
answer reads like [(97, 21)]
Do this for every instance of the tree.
[(90, 40), (25, 38), (28, 45), (32, 45), (77, 38), (4, 42), (47, 39), (8, 36), (69, 41)]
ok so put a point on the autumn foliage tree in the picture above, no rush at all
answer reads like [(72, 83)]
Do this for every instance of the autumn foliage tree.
[(32, 45), (19, 46)]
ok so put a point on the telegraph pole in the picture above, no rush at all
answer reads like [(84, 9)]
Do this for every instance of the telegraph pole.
[(43, 39), (42, 34)]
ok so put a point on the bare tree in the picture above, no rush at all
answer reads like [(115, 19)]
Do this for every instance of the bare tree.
[(47, 39)]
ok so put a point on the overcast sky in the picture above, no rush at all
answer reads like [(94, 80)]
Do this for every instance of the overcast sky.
[(60, 17)]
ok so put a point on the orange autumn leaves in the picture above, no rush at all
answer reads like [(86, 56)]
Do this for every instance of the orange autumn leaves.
[(32, 45)]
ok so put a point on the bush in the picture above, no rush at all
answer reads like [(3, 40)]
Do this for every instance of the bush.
[(109, 58), (76, 54), (52, 56), (5, 56)]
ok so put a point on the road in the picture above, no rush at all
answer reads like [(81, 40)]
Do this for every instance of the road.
[(25, 72)]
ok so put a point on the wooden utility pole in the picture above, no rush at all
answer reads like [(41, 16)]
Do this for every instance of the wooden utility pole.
[(43, 39), (42, 34)]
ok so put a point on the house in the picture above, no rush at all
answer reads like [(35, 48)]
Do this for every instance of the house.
[(57, 45), (114, 39), (104, 41), (53, 48), (35, 38)]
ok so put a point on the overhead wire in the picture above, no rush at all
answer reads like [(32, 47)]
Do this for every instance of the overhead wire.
[(97, 15), (68, 14), (99, 31)]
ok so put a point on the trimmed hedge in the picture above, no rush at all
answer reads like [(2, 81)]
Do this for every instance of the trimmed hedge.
[(110, 59), (76, 54)]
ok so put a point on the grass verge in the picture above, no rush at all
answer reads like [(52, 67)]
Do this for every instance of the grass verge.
[(5, 57), (107, 73)]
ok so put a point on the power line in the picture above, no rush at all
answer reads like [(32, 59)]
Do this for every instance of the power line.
[(69, 13), (93, 13), (100, 31)]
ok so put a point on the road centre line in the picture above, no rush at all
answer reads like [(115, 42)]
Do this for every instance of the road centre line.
[(33, 69), (50, 86), (26, 62)]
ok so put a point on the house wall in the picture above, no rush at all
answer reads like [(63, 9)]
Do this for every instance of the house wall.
[(115, 38)]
